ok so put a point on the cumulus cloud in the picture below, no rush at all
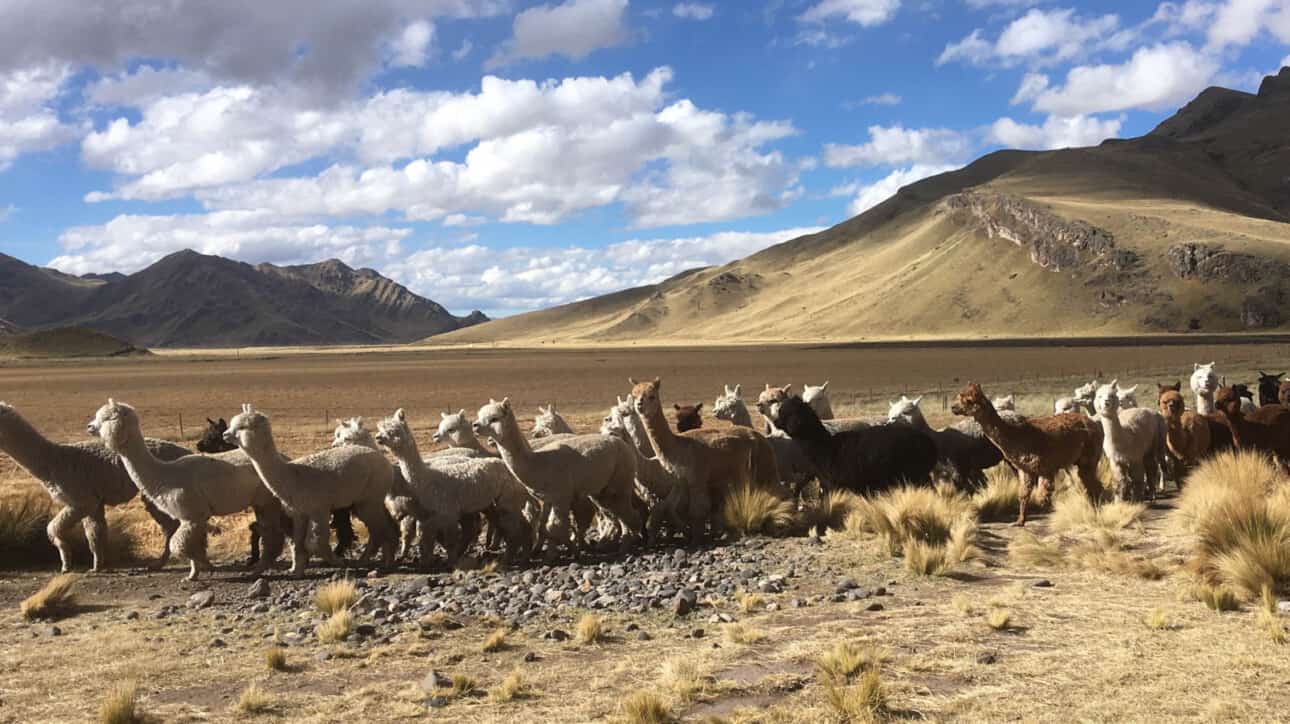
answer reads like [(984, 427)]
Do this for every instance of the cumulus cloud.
[(972, 49), (866, 13), (693, 11), (412, 48), (1056, 132), (28, 120), (896, 145), (1188, 16), (1239, 22), (870, 195), (1156, 77), (882, 99), (322, 47), (1032, 86), (128, 243), (573, 29), (1285, 62), (1040, 37), (143, 85)]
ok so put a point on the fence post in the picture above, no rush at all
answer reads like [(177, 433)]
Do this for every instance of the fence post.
[(181, 426)]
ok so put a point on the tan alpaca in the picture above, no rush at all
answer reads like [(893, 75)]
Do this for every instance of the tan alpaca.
[(314, 485), (598, 467), (707, 464), (1190, 436), (192, 488)]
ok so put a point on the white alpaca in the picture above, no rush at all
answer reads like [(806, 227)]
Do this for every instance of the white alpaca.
[(599, 467), (314, 485), (448, 488), (817, 396), (1204, 383), (730, 406), (83, 477), (401, 504), (1081, 401), (193, 488), (654, 481), (549, 422), (768, 402), (794, 466), (1133, 441), (1007, 403), (635, 428)]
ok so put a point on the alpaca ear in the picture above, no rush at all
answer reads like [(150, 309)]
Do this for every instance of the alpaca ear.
[(737, 390), (111, 402), (676, 407), (917, 400), (398, 415), (462, 412), (698, 406), (768, 387), (443, 416), (506, 403), (658, 381), (787, 387), (211, 422), (631, 381), (824, 386), (1129, 390)]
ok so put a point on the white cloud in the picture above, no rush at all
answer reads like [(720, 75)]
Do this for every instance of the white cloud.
[(573, 29), (321, 48), (1285, 62), (28, 120), (1032, 86), (1040, 37), (130, 242), (519, 278), (693, 11), (979, 4), (972, 49), (867, 13), (1238, 22), (882, 99), (144, 85), (870, 195), (412, 48), (1056, 132), (461, 52), (1157, 78), (463, 220), (1188, 16), (897, 145)]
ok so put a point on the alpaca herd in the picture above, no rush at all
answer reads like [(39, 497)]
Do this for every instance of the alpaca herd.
[(640, 480)]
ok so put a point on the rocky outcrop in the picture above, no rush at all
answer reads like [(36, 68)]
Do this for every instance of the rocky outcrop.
[(1212, 262), (1054, 243)]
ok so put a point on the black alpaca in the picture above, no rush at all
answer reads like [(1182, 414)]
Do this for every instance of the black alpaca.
[(866, 460), (213, 441), (1269, 388)]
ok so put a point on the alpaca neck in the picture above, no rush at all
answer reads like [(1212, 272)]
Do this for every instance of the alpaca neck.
[(515, 450), (270, 466), (1110, 420), (1204, 402), (741, 417), (22, 442), (471, 442), (993, 426), (636, 431), (144, 469), (410, 461), (660, 433), (917, 421)]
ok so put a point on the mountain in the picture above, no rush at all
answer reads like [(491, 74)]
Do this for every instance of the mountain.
[(64, 342), (1184, 229), (188, 299)]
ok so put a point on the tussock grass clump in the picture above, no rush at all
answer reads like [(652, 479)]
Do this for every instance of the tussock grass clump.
[(1217, 598), (1159, 620), (1000, 498), (337, 627), (752, 511), (513, 687), (1074, 512), (1238, 505), (750, 602), (863, 701), (463, 685), (644, 707), (683, 678), (1100, 549), (830, 510), (336, 596), (934, 529), (275, 659), (840, 663), (496, 641), (121, 705), (55, 598), (255, 700), (589, 630), (22, 530), (741, 633), (999, 619)]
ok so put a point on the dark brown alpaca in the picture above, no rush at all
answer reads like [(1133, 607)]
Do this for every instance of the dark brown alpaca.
[(1266, 429), (1038, 447), (1191, 437), (1269, 388), (688, 417)]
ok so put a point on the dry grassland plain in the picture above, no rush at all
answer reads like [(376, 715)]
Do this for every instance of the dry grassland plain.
[(1099, 644)]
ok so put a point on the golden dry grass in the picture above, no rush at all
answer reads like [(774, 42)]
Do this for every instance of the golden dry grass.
[(743, 633), (846, 658), (934, 529), (255, 701), (589, 630), (757, 511), (335, 596), (23, 518), (121, 705), (1000, 497), (496, 641), (861, 702), (336, 627), (1218, 598), (514, 686), (1158, 620), (999, 619), (55, 598), (683, 678), (644, 707), (750, 602), (275, 658)]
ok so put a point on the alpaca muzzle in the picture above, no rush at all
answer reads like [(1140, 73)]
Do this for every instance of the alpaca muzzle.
[(92, 429), (230, 437)]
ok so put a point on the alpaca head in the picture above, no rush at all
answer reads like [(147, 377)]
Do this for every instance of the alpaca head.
[(770, 398), (1107, 400), (905, 410), (1007, 402), (1172, 404), (1084, 393), (688, 417), (971, 402), (798, 419), (454, 429), (1228, 401), (728, 404), (1269, 387), (394, 434), (113, 424), (212, 440), (249, 429), (351, 432), (1204, 380), (815, 394), (614, 425), (1127, 397), (547, 421), (645, 396), (494, 419)]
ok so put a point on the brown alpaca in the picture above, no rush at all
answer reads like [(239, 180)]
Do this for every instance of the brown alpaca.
[(1283, 394), (1191, 437), (1038, 447), (688, 417), (707, 464), (1266, 429)]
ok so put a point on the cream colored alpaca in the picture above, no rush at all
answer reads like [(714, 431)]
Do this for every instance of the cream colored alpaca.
[(192, 488), (455, 430), (314, 485), (448, 488), (599, 467), (772, 396), (401, 503), (1134, 442), (817, 396), (795, 468), (549, 422), (652, 477), (83, 477)]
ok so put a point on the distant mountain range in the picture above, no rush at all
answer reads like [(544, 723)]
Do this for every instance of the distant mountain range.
[(1185, 229), (189, 299)]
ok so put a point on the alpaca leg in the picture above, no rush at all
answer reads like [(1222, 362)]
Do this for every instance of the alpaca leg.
[(1044, 491), (168, 527), (299, 544), (95, 525), (407, 531), (542, 521), (1025, 484), (558, 530), (344, 526), (190, 542), (268, 521), (254, 530), (584, 515), (517, 533), (58, 529), (1092, 485), (322, 541), (380, 529)]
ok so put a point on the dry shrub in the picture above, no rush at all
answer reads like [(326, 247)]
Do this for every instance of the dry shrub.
[(23, 519), (1074, 512), (121, 705), (757, 511), (462, 685), (741, 633), (255, 700), (336, 596), (852, 677), (830, 510), (644, 707), (512, 687), (999, 619), (55, 598), (933, 528), (1238, 505), (275, 659), (1000, 498), (1217, 598), (337, 627), (496, 641), (1098, 547), (683, 678), (589, 630), (845, 659), (1159, 620), (750, 602)]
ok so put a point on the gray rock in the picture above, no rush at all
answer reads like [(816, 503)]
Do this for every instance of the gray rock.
[(1042, 583), (986, 657), (1283, 607), (875, 606), (435, 681), (201, 599), (132, 616), (556, 634), (684, 602), (696, 633), (259, 589), (53, 631), (218, 644), (365, 629)]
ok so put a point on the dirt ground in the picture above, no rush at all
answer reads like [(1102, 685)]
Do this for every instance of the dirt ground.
[(1080, 650)]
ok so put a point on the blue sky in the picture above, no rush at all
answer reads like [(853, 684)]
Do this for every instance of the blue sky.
[(512, 155)]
